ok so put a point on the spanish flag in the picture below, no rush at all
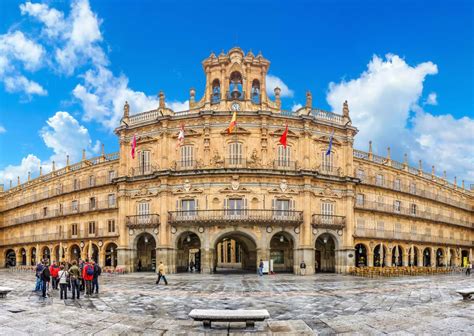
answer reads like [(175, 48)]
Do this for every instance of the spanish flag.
[(233, 123)]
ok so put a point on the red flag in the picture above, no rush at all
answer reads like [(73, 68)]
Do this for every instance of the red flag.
[(284, 136), (180, 136), (134, 146)]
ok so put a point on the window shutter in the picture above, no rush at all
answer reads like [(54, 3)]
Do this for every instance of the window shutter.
[(178, 205), (197, 204), (292, 205)]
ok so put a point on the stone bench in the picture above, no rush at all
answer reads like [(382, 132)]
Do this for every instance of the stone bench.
[(4, 291), (218, 315), (466, 293)]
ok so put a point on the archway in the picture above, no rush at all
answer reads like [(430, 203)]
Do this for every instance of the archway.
[(10, 258), (146, 253), (325, 254), (235, 252), (360, 255), (452, 259), (91, 252), (74, 252), (427, 257), (464, 258), (413, 256), (440, 258), (380, 256), (188, 254), (33, 256), (23, 256), (397, 256), (281, 252), (46, 254), (111, 255)]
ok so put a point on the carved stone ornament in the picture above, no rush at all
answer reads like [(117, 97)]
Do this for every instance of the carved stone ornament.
[(283, 185), (143, 191), (254, 160), (216, 159), (186, 185), (235, 183)]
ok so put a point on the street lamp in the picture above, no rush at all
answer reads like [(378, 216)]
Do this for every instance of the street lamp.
[(282, 239)]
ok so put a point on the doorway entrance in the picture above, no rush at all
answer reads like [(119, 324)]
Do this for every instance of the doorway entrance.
[(188, 255), (146, 253), (235, 252), (325, 254)]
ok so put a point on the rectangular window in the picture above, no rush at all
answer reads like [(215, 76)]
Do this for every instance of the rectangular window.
[(188, 207), (379, 180), (235, 153), (144, 162), (91, 228), (396, 184), (281, 207), (75, 205), (76, 184), (413, 188), (59, 189), (284, 156), (235, 206), (360, 199), (45, 211), (74, 229), (187, 156), (360, 174), (327, 162), (111, 175), (327, 211), (91, 181), (143, 212), (92, 203), (111, 199), (397, 205), (111, 225), (60, 209), (413, 209)]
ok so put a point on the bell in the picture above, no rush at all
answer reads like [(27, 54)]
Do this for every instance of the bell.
[(235, 92)]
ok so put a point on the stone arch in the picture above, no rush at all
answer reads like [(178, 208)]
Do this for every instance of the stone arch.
[(10, 258), (188, 251), (413, 254), (23, 256), (46, 253), (441, 256), (325, 245), (74, 252), (145, 245), (33, 255), (91, 254), (337, 238), (380, 255), (397, 256), (110, 254), (361, 254), (282, 246), (452, 257), (427, 255)]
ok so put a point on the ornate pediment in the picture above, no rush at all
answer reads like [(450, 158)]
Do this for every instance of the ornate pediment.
[(327, 191), (280, 131), (234, 187), (188, 133), (143, 191), (145, 139), (237, 130), (326, 138), (283, 189), (187, 188)]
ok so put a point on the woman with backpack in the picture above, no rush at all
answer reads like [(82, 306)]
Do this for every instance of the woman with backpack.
[(88, 276)]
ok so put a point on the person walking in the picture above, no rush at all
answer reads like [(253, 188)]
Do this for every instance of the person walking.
[(62, 279), (191, 266), (54, 270), (75, 280), (39, 271), (45, 276), (468, 269), (302, 268), (95, 280), (88, 276), (260, 268), (161, 274)]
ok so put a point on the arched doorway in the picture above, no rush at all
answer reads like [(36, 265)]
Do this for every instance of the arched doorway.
[(23, 256), (281, 252), (397, 256), (33, 256), (46, 254), (146, 253), (92, 252), (380, 255), (58, 253), (427, 257), (75, 252), (111, 255), (440, 258), (235, 252), (464, 258), (325, 254), (188, 253), (413, 256), (360, 255), (10, 258), (452, 257)]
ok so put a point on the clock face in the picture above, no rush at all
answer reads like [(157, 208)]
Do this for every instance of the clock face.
[(235, 107)]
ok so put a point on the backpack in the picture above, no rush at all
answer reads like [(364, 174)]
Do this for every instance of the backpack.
[(90, 270)]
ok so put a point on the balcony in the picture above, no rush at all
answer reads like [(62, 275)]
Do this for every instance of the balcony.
[(142, 222), (186, 165), (60, 212), (408, 237), (236, 216), (143, 170), (329, 170), (285, 165), (408, 212), (328, 221)]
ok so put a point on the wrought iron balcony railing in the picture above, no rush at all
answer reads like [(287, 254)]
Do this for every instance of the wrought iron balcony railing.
[(328, 221), (285, 165), (142, 221), (238, 216), (142, 170), (186, 165)]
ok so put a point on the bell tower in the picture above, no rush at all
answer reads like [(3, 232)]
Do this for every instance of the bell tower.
[(235, 81)]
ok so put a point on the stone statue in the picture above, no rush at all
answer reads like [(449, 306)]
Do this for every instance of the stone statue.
[(254, 159)]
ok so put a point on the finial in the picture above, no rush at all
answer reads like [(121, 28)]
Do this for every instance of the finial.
[(277, 92), (345, 109), (18, 180), (83, 155), (29, 176), (432, 171), (126, 110), (161, 95), (67, 160), (388, 153), (462, 184), (405, 159), (54, 166), (370, 146), (222, 53), (420, 165), (192, 95), (309, 100), (41, 170), (444, 174), (11, 183), (102, 151), (455, 181)]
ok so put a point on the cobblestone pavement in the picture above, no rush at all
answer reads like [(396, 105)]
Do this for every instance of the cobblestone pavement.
[(321, 304)]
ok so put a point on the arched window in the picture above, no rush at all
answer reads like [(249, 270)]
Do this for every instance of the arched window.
[(235, 86), (216, 91), (283, 156), (235, 154), (256, 91)]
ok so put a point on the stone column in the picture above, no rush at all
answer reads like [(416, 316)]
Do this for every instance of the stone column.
[(405, 257), (370, 259), (28, 256), (18, 256), (207, 260), (433, 257), (126, 258)]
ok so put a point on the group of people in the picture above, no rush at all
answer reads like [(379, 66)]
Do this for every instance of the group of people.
[(76, 277)]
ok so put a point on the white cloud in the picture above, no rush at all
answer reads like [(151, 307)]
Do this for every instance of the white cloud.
[(2, 129), (31, 163), (103, 95), (16, 46), (178, 106), (432, 99), (21, 84), (296, 107), (50, 17), (272, 82)]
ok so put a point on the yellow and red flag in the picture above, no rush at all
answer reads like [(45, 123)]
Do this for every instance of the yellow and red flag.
[(233, 123), (284, 137)]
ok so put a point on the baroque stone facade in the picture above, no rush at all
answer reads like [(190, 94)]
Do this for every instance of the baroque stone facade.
[(228, 200)]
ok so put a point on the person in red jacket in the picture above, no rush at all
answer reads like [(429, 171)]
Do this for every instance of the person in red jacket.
[(88, 276), (54, 271)]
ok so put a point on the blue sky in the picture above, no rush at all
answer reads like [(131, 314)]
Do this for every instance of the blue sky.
[(406, 68)]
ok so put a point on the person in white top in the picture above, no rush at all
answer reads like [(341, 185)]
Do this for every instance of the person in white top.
[(62, 277)]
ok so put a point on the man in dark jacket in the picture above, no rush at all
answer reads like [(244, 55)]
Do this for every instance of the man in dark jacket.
[(38, 271), (45, 275), (95, 280)]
